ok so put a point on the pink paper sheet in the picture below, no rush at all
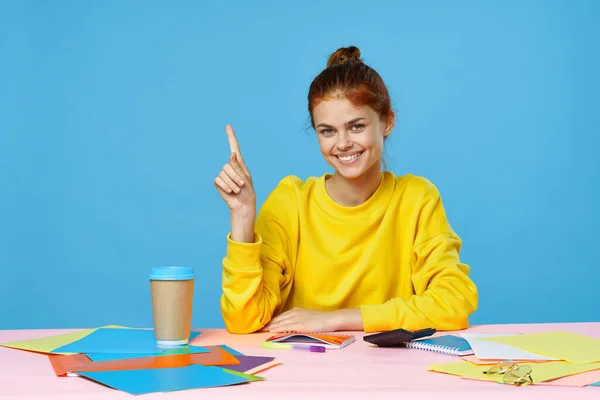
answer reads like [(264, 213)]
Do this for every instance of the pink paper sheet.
[(473, 359)]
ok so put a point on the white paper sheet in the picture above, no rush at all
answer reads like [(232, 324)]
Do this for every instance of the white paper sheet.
[(486, 350)]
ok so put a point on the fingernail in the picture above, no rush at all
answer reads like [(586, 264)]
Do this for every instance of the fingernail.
[(241, 182)]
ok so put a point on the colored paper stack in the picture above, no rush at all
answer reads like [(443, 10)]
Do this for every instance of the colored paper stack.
[(550, 358), (129, 360)]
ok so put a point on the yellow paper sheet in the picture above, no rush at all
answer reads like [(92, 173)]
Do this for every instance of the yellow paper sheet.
[(465, 369), (568, 346), (49, 343), (540, 372)]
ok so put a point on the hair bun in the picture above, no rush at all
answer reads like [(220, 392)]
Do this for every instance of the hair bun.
[(344, 55)]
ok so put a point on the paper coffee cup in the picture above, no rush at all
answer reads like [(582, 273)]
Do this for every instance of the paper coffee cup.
[(172, 291)]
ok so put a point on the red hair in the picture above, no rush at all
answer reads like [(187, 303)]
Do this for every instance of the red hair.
[(347, 75)]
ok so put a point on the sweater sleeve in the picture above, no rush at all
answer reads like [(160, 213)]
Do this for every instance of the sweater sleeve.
[(255, 273), (444, 295)]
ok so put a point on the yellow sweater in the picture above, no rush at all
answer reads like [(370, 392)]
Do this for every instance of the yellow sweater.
[(395, 257)]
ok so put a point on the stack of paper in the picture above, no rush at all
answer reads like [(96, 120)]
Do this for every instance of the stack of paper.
[(555, 358), (129, 360)]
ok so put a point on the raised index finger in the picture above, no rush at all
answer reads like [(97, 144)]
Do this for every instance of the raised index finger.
[(233, 143)]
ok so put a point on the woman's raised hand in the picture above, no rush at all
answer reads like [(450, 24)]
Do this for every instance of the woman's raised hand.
[(234, 182)]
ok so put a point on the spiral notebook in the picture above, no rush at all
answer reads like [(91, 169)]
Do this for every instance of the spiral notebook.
[(327, 340), (448, 344)]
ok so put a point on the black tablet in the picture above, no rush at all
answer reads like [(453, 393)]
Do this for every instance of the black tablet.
[(397, 337)]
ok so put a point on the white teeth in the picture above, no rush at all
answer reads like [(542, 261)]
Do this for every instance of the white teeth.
[(350, 158)]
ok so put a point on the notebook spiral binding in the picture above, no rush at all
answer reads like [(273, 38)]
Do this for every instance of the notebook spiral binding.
[(436, 348)]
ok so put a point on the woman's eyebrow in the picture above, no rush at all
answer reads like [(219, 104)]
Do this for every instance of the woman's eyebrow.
[(355, 120), (351, 122)]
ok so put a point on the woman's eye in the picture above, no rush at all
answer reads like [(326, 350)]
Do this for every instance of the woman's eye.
[(327, 131), (357, 127)]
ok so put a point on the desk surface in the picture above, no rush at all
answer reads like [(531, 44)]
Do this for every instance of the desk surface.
[(357, 371)]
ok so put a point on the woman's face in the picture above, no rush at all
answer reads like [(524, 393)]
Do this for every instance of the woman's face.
[(350, 138)]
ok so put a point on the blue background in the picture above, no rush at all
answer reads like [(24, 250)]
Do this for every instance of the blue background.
[(112, 118)]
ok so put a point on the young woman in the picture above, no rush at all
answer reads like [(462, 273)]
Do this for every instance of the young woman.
[(359, 249)]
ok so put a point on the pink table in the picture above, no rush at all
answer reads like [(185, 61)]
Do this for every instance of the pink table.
[(357, 371)]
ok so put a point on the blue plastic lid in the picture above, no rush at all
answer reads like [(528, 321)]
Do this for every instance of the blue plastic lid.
[(172, 274)]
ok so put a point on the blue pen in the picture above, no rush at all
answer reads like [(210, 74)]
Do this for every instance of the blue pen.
[(294, 346)]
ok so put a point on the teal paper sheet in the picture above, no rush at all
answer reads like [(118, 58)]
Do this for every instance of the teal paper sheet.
[(95, 357)]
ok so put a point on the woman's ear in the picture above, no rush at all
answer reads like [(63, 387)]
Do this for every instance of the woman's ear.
[(389, 124)]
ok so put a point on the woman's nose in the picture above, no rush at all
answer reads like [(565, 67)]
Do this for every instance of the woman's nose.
[(344, 141)]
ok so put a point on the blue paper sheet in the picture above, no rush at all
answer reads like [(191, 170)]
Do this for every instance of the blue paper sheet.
[(230, 350), (595, 384), (95, 357), (143, 381), (107, 340)]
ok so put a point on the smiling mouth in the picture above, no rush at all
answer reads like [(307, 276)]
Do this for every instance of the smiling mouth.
[(349, 159)]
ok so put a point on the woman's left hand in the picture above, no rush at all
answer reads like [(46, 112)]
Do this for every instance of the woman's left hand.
[(303, 320)]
